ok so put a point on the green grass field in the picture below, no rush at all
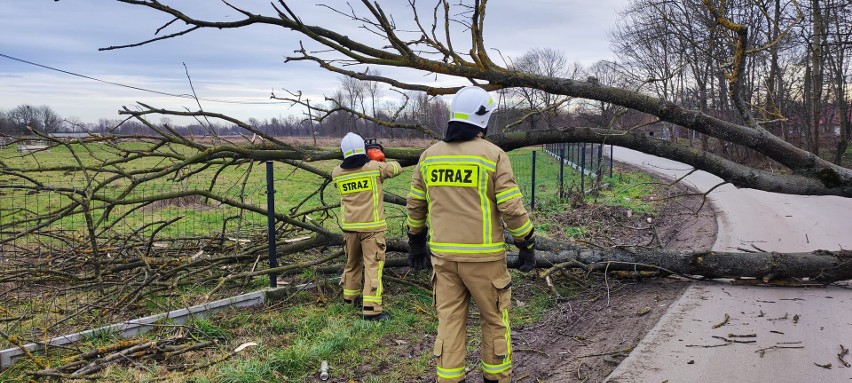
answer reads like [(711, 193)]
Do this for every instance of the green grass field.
[(294, 336), (245, 183)]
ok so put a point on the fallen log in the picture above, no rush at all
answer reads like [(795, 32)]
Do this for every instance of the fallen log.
[(821, 266)]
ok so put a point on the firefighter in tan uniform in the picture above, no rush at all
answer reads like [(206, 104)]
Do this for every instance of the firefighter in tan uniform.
[(362, 217), (462, 192)]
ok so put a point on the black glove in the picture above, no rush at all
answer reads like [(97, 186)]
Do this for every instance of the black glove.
[(418, 251), (526, 254)]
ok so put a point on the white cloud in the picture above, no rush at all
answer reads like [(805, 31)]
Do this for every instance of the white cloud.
[(243, 65)]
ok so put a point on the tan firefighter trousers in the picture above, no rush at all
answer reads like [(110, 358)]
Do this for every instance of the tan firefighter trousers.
[(489, 283), (365, 258)]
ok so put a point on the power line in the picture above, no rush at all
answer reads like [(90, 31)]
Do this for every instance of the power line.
[(185, 96)]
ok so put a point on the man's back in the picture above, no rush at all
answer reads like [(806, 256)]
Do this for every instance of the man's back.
[(466, 187), (361, 195)]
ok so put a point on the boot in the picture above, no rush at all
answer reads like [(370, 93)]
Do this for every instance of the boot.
[(378, 317), (357, 302)]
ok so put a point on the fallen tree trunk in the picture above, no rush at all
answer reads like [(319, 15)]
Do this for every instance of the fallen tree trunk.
[(820, 266)]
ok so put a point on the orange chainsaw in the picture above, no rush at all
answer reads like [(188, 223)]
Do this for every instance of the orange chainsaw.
[(374, 150)]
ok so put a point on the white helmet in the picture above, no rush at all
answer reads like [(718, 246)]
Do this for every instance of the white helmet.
[(352, 144), (472, 105)]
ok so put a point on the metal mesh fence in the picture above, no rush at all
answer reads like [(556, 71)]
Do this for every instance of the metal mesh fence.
[(549, 173), (44, 240), (42, 234)]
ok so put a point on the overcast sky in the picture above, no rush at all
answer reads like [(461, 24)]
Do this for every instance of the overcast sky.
[(235, 65)]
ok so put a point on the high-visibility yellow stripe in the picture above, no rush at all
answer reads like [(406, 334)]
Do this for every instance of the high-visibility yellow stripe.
[(453, 159), (467, 248), (450, 373), (508, 194), (351, 152), (381, 287), (366, 173), (416, 193), (522, 231), (414, 223), (485, 205), (459, 115), (363, 225), (507, 336), (495, 369), (351, 293), (376, 215)]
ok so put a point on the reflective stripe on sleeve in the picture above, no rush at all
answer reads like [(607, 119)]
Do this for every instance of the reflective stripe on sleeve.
[(522, 231), (415, 223), (508, 194), (417, 193)]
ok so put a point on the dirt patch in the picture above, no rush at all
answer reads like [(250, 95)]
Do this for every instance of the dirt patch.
[(583, 339)]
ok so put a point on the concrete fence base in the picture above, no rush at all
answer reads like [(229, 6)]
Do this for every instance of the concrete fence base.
[(133, 327)]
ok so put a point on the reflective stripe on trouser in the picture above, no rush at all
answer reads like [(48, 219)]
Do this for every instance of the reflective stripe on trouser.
[(489, 283), (365, 258)]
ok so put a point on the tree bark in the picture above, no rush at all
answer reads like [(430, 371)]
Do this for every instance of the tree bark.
[(818, 266)]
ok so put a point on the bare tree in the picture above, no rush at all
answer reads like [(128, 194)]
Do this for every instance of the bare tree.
[(839, 44), (414, 48), (121, 266), (543, 106)]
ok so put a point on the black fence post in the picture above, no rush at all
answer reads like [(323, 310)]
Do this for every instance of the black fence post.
[(270, 222), (583, 168), (532, 186), (600, 160), (561, 171)]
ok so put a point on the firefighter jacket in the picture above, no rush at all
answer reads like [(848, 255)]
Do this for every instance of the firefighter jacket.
[(362, 206), (460, 191)]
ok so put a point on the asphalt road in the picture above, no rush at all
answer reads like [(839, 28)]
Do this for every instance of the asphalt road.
[(717, 332)]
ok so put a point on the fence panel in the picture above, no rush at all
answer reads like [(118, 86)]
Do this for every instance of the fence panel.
[(547, 174)]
